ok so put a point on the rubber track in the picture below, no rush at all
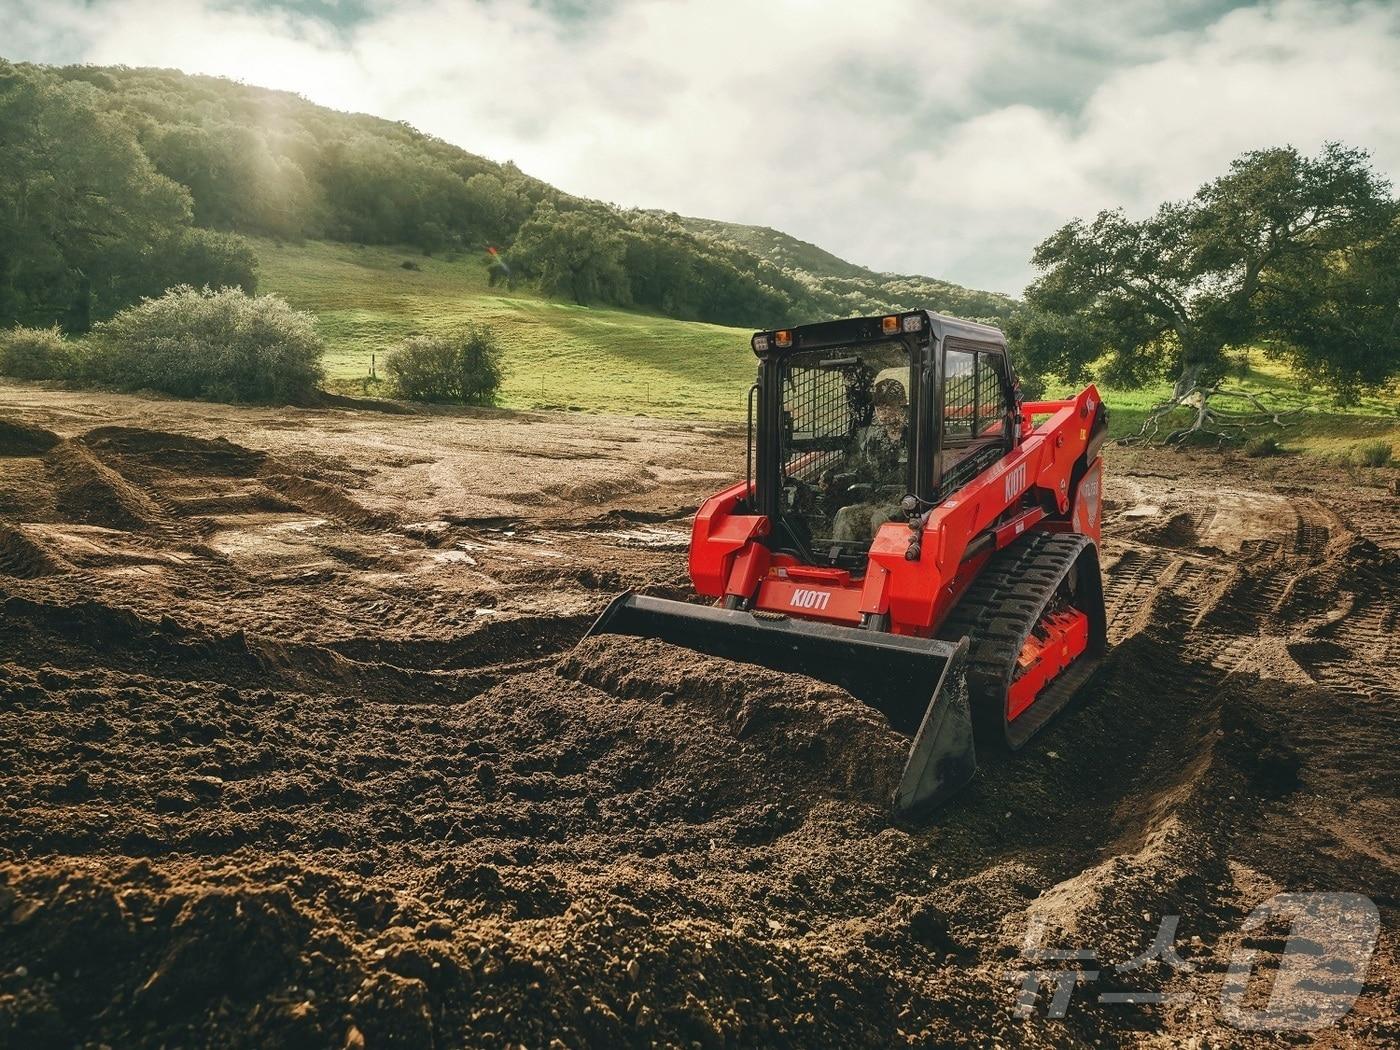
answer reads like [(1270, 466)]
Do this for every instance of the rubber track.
[(997, 613)]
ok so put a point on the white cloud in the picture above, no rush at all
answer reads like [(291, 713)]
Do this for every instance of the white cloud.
[(944, 138)]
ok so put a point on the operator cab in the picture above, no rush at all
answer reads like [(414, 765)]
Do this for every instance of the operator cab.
[(856, 416)]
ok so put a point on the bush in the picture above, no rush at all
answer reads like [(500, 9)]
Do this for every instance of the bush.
[(36, 353), (1374, 454), (464, 367), (1260, 447), (224, 346)]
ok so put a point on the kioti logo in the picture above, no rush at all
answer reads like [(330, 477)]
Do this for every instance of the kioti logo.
[(806, 598), (1015, 481)]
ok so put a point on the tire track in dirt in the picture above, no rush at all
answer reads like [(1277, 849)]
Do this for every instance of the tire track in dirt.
[(1196, 632)]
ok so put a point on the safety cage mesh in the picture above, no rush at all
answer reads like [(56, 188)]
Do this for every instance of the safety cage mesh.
[(823, 406), (837, 457)]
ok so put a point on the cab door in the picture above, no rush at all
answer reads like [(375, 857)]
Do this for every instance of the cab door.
[(975, 413)]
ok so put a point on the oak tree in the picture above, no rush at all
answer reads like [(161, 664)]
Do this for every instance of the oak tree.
[(1288, 253)]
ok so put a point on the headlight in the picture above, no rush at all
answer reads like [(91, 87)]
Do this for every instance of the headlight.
[(912, 322)]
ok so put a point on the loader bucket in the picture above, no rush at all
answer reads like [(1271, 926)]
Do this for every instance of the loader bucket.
[(918, 683)]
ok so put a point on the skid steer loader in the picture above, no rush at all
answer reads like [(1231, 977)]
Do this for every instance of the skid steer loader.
[(909, 530)]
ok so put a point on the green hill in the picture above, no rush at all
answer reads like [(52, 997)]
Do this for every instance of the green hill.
[(558, 355), (854, 289), (170, 170)]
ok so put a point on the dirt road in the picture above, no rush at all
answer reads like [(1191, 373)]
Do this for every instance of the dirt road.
[(296, 750)]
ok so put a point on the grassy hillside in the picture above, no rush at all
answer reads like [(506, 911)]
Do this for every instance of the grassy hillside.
[(854, 289), (558, 355), (598, 359)]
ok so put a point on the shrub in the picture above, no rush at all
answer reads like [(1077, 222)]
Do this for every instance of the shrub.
[(464, 367), (1374, 454), (222, 345), (1262, 446), (36, 353)]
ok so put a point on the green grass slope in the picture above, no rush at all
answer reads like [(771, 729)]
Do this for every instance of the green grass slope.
[(557, 355)]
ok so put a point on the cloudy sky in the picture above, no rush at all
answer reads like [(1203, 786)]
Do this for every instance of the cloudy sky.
[(944, 137)]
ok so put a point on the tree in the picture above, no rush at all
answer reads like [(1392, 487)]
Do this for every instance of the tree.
[(202, 258), (236, 178), (1345, 320), (87, 223), (78, 201), (575, 253), (1285, 252), (493, 210)]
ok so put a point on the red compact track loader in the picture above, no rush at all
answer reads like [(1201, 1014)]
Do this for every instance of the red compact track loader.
[(909, 530)]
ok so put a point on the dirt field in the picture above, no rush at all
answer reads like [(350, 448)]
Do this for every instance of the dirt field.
[(296, 750)]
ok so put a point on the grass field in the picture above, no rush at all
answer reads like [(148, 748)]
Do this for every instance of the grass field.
[(599, 359), (1315, 423), (558, 355)]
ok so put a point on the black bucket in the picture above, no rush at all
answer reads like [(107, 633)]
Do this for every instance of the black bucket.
[(919, 684)]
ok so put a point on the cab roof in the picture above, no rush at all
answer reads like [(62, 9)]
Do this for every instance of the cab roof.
[(869, 329)]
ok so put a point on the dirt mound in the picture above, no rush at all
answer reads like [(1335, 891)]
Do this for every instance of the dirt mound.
[(808, 735), (25, 559), (319, 496), (599, 490), (211, 456), (19, 439), (1179, 530), (489, 641), (171, 953), (89, 491), (156, 948)]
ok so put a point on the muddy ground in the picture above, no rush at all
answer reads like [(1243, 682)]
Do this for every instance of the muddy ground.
[(296, 749)]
